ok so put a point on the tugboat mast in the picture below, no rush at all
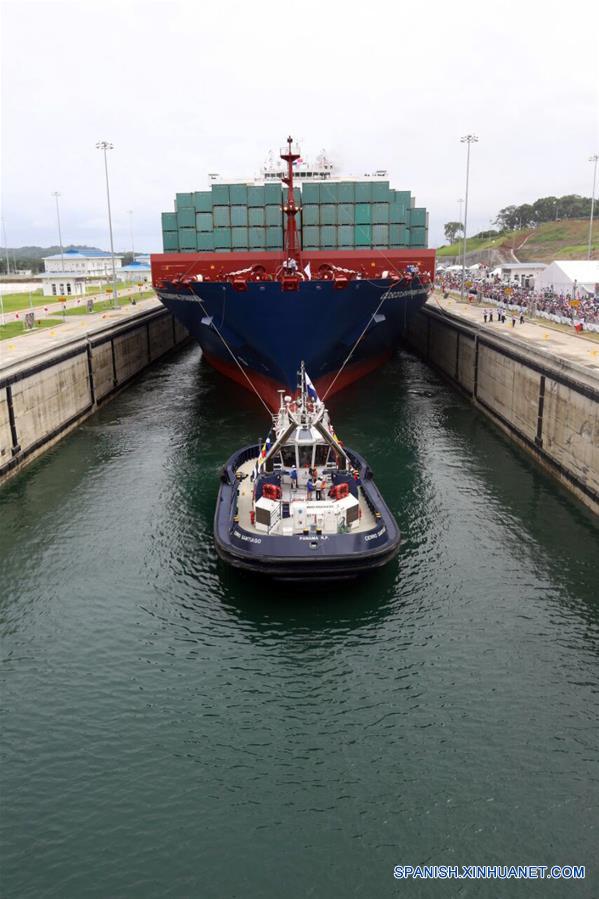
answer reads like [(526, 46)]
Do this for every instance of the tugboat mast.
[(290, 155)]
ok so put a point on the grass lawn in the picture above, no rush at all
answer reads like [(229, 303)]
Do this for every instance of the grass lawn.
[(12, 302), (92, 289), (107, 305), (15, 329)]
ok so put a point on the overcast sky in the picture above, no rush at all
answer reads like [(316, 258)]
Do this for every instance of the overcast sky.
[(191, 87)]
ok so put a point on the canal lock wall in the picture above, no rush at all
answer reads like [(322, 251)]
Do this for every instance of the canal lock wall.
[(547, 405), (45, 396)]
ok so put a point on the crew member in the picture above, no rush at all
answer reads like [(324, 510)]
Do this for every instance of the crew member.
[(293, 476)]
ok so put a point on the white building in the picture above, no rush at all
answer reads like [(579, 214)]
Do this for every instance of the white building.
[(138, 271), (68, 273), (522, 274), (571, 276)]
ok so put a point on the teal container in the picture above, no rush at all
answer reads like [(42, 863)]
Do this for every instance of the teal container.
[(345, 237), (380, 213), (311, 193), (363, 191), (346, 214), (256, 217), (310, 214), (329, 192), (362, 235), (239, 238), (417, 217), (222, 238), (405, 236), (346, 192), (273, 215), (328, 214), (239, 216), (380, 191), (220, 195), (221, 216), (187, 239), (256, 196), (169, 221), (274, 238), (205, 241), (403, 196), (257, 238), (310, 236), (186, 217), (380, 235), (398, 214), (204, 221), (273, 194), (202, 200), (363, 213), (328, 236), (183, 200), (170, 241), (395, 235), (238, 194), (418, 237)]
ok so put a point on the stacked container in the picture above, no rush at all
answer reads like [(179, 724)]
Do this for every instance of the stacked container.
[(334, 215)]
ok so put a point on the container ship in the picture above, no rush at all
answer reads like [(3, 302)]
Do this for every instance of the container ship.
[(298, 265)]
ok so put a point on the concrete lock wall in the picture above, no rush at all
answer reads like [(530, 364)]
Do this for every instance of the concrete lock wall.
[(548, 406), (46, 396)]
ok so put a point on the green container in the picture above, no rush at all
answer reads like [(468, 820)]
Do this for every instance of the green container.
[(345, 236), (186, 218), (311, 236), (417, 217), (205, 241), (239, 216), (329, 192), (256, 216), (273, 215), (257, 238), (328, 214), (273, 194), (221, 216), (238, 194), (183, 200), (203, 221), (395, 235), (418, 237), (380, 235), (363, 213), (347, 193), (362, 236), (220, 195), (346, 214), (239, 238), (397, 213), (310, 214), (274, 238), (403, 196), (169, 221), (363, 191), (170, 241), (256, 196), (187, 238), (202, 200), (328, 236), (380, 213), (311, 193), (380, 191), (222, 238)]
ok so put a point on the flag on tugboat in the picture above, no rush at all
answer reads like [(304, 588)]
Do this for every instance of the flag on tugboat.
[(311, 388)]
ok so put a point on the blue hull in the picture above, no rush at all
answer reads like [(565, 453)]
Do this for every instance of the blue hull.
[(270, 331)]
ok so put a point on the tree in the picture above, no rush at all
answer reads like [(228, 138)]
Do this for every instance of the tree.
[(451, 230)]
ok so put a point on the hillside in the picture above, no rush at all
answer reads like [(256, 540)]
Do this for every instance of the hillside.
[(551, 240)]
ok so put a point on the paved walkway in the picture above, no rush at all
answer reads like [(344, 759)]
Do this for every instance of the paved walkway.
[(70, 302), (571, 347), (48, 339)]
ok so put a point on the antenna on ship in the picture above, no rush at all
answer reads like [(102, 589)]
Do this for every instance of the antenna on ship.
[(290, 154)]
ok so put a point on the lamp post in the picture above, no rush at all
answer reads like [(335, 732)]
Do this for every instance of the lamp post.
[(460, 205), (56, 195), (105, 145), (467, 139), (130, 211), (592, 159)]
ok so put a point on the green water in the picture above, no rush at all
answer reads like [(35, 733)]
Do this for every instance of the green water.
[(173, 729)]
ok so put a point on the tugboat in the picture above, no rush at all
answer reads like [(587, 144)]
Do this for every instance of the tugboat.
[(302, 506)]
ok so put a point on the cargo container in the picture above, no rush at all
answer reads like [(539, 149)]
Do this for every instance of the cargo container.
[(187, 239), (186, 217), (363, 213), (345, 237), (311, 193), (221, 216), (256, 196), (380, 191), (274, 238), (328, 214), (417, 217), (169, 221), (380, 213), (346, 214), (202, 200), (183, 200), (328, 236), (380, 235), (273, 194), (205, 240), (363, 191), (346, 192), (239, 238), (256, 217), (310, 214), (239, 216), (204, 221), (274, 215), (362, 236), (170, 241), (238, 194), (257, 238), (222, 238), (220, 195)]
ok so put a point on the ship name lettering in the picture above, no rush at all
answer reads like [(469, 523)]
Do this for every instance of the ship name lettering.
[(379, 533)]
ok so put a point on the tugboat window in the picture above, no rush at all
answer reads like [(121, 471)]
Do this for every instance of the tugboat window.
[(322, 451), (305, 456), (288, 453)]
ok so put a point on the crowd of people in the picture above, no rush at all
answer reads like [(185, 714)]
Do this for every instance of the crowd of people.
[(548, 304)]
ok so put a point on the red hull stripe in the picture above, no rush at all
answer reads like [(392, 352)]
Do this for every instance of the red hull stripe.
[(267, 388)]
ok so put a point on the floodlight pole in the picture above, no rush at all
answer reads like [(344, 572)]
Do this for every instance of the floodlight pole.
[(56, 195), (467, 139), (105, 145), (592, 159)]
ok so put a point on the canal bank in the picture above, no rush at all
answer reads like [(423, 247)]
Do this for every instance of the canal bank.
[(49, 383), (545, 399)]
